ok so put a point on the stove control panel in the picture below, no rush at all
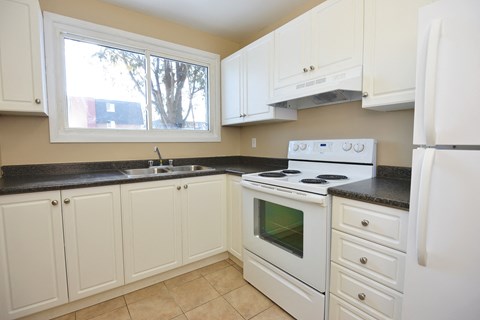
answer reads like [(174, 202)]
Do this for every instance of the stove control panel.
[(341, 150)]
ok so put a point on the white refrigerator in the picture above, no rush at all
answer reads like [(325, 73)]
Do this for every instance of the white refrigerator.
[(442, 279)]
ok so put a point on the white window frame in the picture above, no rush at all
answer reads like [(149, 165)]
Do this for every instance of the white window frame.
[(55, 29)]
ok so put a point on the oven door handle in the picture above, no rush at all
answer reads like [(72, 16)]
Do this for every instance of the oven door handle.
[(286, 193)]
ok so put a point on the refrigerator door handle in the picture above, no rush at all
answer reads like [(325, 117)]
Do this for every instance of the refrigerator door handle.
[(430, 81), (423, 201)]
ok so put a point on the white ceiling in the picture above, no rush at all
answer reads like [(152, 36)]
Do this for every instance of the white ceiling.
[(231, 19)]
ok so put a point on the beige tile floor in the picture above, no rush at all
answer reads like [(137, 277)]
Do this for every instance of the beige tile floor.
[(215, 292)]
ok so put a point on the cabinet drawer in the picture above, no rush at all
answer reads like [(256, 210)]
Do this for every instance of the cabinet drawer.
[(383, 225), (340, 310), (367, 295), (377, 262)]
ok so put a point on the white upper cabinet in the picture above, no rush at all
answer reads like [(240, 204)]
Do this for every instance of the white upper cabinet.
[(22, 72), (247, 86), (32, 261), (323, 41), (389, 58)]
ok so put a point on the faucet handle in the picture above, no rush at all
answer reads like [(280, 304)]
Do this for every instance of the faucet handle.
[(150, 163), (170, 163)]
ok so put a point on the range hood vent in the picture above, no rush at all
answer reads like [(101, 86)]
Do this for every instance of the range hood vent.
[(341, 87), (321, 99)]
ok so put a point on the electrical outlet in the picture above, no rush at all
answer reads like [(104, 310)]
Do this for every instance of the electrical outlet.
[(254, 142)]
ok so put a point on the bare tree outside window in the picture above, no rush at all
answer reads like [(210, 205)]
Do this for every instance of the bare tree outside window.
[(178, 89)]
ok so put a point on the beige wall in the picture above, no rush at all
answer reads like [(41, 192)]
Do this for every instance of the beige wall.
[(393, 131), (25, 140)]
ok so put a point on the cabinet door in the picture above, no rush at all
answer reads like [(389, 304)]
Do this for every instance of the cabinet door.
[(32, 262), (390, 53), (340, 310), (232, 89), (151, 228), (204, 217), (93, 240), (21, 58), (234, 216), (258, 57), (292, 51), (337, 36)]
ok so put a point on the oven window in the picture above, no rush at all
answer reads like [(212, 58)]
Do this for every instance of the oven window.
[(279, 225)]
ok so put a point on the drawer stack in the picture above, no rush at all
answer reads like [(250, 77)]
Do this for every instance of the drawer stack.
[(367, 260)]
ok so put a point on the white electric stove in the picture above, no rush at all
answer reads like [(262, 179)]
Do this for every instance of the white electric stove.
[(286, 221)]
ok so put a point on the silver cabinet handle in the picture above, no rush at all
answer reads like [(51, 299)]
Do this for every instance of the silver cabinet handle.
[(54, 202), (66, 201), (178, 187), (365, 94), (362, 296), (363, 260), (365, 222), (38, 101), (312, 68), (305, 70), (185, 186)]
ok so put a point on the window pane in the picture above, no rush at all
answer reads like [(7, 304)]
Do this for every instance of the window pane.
[(105, 87), (179, 95)]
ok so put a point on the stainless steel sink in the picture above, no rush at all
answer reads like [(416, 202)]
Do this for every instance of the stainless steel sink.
[(152, 171), (190, 168), (145, 171)]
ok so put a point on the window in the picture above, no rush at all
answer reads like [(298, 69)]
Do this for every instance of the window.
[(107, 85)]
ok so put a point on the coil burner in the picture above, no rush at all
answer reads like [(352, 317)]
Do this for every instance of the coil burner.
[(314, 181), (332, 177), (272, 174), (290, 171)]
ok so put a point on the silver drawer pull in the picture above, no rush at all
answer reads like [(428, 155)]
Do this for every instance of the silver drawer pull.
[(365, 222), (362, 296), (363, 260)]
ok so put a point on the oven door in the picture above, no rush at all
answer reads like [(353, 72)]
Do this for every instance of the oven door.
[(288, 229)]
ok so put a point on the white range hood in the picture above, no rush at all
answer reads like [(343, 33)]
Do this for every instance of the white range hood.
[(335, 88)]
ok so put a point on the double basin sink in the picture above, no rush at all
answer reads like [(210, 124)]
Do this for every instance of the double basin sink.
[(160, 170)]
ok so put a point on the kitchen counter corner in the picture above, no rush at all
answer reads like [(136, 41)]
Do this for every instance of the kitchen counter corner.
[(389, 192)]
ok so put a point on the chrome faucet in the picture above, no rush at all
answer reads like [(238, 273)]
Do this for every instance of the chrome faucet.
[(155, 149)]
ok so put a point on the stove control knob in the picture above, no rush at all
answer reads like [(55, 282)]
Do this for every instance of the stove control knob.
[(358, 147), (295, 147), (346, 146), (303, 146)]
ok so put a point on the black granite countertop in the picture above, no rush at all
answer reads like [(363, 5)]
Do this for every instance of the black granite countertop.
[(391, 187), (46, 177)]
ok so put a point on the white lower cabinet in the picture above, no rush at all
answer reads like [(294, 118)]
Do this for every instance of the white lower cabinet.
[(60, 246), (204, 209), (32, 262), (368, 261), (93, 240), (340, 309), (152, 228), (170, 223), (234, 216)]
